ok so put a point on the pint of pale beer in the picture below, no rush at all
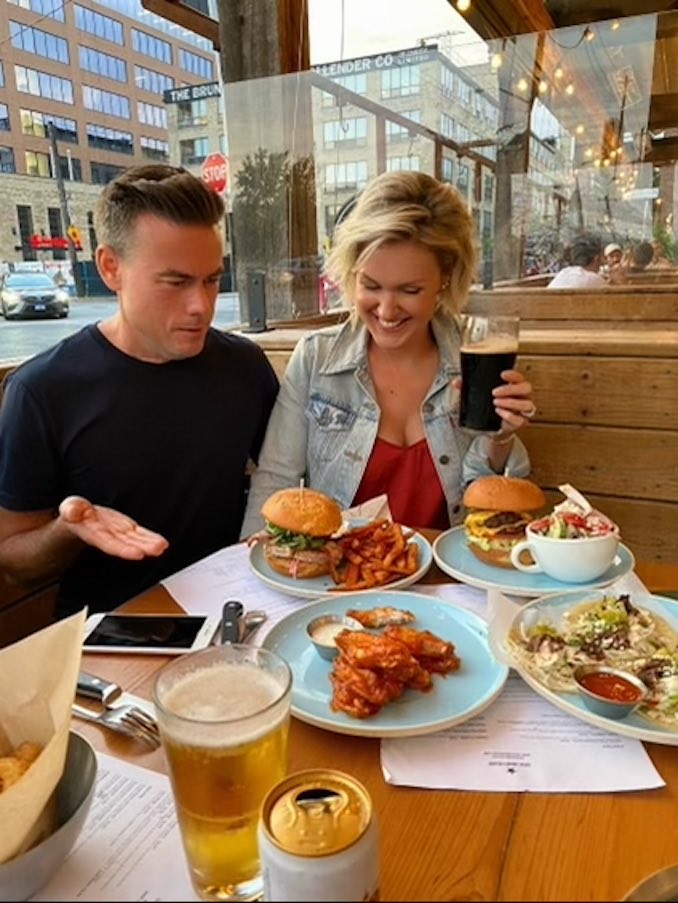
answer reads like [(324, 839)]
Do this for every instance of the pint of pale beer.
[(489, 345), (223, 715)]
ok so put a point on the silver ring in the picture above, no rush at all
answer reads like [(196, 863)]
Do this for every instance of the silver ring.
[(530, 414)]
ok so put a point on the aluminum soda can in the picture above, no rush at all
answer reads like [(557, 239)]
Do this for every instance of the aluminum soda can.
[(318, 839)]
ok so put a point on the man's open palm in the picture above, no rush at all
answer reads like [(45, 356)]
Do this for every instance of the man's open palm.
[(109, 530)]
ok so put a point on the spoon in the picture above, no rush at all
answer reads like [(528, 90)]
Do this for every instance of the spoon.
[(251, 622)]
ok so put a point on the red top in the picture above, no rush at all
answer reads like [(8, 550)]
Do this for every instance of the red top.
[(408, 477)]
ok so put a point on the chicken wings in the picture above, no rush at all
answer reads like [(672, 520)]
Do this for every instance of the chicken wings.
[(372, 670)]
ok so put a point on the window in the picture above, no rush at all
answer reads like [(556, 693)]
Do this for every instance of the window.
[(25, 218), (7, 159), (109, 139), (101, 26), (448, 170), (149, 80), (37, 164), (106, 102), (52, 9), (395, 132), (30, 81), (398, 82), (154, 149), (33, 40), (151, 46), (346, 175), (103, 64), (463, 178), (103, 173), (356, 82), (448, 126), (4, 118), (149, 114), (190, 113), (55, 230), (193, 151), (2, 74), (403, 164), (70, 168), (196, 64), (34, 123), (345, 132), (488, 188)]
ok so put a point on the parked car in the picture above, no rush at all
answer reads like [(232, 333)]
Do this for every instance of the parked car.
[(32, 295)]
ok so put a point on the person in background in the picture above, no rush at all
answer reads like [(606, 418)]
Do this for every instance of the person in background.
[(641, 257), (613, 268), (659, 259), (585, 256), (124, 448), (371, 406)]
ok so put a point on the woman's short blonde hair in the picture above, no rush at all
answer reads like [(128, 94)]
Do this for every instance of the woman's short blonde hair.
[(408, 206)]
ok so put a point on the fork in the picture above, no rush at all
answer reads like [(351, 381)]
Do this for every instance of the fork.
[(126, 719)]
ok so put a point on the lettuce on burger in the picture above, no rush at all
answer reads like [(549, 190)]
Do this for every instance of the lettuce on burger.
[(299, 524), (499, 509)]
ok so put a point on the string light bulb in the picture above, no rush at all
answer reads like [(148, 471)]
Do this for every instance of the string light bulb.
[(558, 73), (569, 90), (616, 25), (496, 61), (463, 5), (522, 84), (543, 86), (589, 34)]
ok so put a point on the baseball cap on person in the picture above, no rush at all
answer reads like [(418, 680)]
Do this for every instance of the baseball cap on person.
[(611, 247)]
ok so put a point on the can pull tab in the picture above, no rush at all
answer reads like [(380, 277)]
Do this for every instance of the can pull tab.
[(319, 800)]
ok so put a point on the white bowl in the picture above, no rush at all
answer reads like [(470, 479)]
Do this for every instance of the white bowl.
[(24, 875), (568, 560)]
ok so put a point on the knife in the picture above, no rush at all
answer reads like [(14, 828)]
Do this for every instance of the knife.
[(97, 688), (231, 615)]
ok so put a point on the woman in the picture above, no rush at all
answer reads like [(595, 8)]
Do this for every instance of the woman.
[(371, 406)]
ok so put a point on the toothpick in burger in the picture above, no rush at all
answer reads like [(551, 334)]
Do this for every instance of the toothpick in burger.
[(299, 525), (499, 509)]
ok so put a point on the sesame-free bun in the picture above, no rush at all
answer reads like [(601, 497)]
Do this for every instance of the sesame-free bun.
[(498, 493), (302, 510), (498, 558)]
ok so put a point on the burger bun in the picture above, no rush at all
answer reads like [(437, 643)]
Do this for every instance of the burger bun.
[(499, 493), (302, 510)]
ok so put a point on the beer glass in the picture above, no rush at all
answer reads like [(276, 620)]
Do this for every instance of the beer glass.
[(223, 715), (488, 346)]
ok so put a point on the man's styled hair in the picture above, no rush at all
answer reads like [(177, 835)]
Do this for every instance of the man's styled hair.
[(642, 254), (408, 206), (168, 192), (585, 248)]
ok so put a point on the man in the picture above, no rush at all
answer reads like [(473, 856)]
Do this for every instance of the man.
[(585, 255), (123, 449)]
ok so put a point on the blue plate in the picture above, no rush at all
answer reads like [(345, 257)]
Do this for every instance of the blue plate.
[(319, 586), (453, 699), (553, 608), (452, 555)]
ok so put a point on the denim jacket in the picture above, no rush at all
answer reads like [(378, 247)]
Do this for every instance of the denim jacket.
[(326, 418)]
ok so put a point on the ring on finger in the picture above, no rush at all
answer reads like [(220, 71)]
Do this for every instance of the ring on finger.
[(532, 411)]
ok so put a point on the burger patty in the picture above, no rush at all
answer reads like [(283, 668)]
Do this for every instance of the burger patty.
[(492, 523)]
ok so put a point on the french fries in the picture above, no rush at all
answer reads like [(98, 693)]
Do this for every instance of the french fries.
[(374, 555)]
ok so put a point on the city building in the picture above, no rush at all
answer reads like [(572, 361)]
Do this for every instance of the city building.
[(96, 73)]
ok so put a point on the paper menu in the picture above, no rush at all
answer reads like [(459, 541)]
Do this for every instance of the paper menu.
[(520, 743), (130, 847)]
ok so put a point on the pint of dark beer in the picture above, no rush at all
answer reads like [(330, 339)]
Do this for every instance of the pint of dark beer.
[(488, 346)]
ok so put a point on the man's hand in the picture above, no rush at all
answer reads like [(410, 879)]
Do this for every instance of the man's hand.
[(109, 530)]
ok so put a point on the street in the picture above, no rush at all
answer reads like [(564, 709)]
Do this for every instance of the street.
[(21, 339)]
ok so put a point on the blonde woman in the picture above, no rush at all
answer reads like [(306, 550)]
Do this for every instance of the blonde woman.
[(371, 406)]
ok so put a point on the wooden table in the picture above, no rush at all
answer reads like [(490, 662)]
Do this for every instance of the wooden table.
[(452, 845)]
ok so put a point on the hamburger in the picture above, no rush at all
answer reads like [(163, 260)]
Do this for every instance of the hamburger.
[(499, 509), (299, 524)]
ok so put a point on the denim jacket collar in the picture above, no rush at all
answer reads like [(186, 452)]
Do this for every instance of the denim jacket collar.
[(349, 348)]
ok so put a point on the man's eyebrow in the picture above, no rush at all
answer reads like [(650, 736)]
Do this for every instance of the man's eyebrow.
[(177, 274)]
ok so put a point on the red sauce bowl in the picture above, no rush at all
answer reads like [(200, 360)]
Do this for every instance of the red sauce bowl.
[(608, 691)]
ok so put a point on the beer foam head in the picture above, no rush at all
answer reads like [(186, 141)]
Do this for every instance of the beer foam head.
[(492, 345), (223, 704)]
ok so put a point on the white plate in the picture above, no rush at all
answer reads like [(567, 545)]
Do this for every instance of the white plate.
[(634, 725), (455, 698), (452, 555), (321, 586)]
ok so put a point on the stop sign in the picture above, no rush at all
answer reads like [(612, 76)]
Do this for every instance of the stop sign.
[(215, 172)]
